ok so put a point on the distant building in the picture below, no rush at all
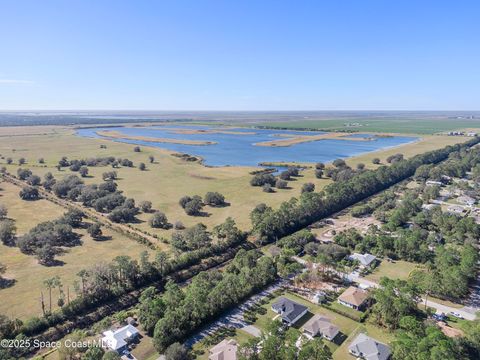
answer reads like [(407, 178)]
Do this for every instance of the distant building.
[(119, 339), (354, 298), (429, 206), (321, 326), (365, 347), (224, 350), (456, 210), (471, 134), (456, 133), (467, 200), (433, 183), (365, 260), (289, 310)]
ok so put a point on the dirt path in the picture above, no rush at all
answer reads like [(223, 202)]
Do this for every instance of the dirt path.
[(90, 213)]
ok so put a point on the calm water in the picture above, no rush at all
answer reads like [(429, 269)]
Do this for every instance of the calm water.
[(234, 149)]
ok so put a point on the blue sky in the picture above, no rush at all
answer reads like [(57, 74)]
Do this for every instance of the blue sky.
[(240, 55)]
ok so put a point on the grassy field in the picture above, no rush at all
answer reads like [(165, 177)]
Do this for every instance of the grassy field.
[(424, 144), (22, 300), (394, 270), (405, 126), (164, 182)]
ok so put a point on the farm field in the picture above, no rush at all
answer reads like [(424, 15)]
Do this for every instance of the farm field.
[(379, 125), (26, 271)]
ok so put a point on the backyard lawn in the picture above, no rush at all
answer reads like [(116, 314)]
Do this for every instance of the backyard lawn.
[(397, 269), (201, 348), (346, 325)]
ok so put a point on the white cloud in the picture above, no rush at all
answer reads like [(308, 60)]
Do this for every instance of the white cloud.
[(16, 81)]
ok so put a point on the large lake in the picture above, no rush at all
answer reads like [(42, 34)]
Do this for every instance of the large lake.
[(235, 149)]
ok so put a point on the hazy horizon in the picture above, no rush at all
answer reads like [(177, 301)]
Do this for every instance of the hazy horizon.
[(239, 56)]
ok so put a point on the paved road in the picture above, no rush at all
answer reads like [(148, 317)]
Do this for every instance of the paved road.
[(447, 309), (234, 318), (468, 312)]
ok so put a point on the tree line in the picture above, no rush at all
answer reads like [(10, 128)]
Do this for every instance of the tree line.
[(105, 281), (177, 313), (269, 224)]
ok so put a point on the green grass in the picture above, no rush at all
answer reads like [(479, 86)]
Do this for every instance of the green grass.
[(165, 181), (145, 349), (371, 330), (201, 348), (423, 144), (22, 300), (348, 327), (393, 125), (355, 313), (394, 270)]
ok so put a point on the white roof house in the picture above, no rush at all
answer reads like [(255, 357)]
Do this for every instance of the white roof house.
[(365, 347), (118, 339), (224, 350), (364, 259)]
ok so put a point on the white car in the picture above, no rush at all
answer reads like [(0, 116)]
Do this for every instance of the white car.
[(457, 315)]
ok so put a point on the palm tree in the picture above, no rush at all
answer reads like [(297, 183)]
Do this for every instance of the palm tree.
[(49, 284), (83, 274)]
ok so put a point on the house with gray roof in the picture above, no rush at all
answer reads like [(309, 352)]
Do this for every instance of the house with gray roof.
[(320, 325), (289, 310), (365, 260), (367, 348)]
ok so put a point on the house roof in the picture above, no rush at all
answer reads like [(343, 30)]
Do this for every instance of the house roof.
[(466, 199), (456, 209), (117, 339), (364, 259), (321, 324), (224, 350), (354, 296), (289, 309), (369, 348)]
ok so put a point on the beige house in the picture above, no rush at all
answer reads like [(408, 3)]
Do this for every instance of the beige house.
[(320, 325), (224, 350), (354, 298)]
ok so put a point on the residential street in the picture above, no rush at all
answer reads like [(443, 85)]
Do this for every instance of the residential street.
[(447, 309), (468, 312), (234, 318)]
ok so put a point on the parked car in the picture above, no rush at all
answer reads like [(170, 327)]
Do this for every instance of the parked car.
[(439, 317), (457, 315)]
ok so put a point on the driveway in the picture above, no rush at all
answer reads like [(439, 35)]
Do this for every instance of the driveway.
[(234, 318)]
